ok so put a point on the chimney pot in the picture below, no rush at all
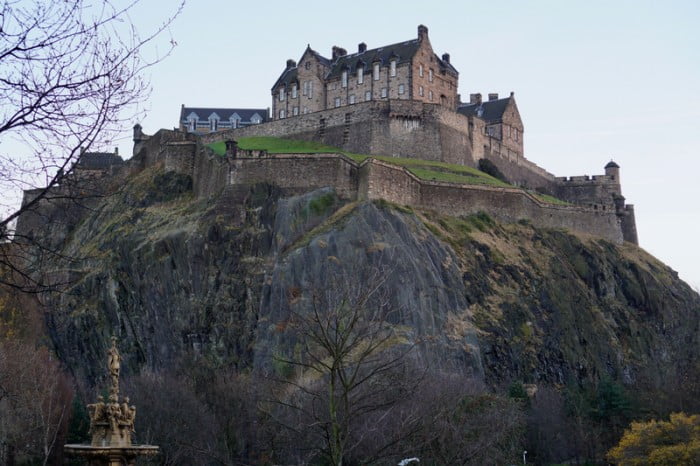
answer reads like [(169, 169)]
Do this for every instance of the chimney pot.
[(422, 32), (493, 96), (361, 47), (446, 57), (475, 98), (338, 52)]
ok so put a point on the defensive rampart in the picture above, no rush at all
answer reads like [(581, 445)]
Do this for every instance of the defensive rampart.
[(374, 179)]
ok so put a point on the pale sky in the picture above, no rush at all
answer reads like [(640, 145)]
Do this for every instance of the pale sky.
[(594, 81)]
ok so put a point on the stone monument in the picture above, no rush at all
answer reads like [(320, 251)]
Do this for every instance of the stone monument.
[(111, 426)]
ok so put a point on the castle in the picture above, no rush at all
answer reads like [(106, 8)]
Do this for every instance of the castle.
[(400, 100)]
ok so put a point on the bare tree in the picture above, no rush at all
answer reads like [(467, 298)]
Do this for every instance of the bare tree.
[(71, 77), (346, 352), (35, 400)]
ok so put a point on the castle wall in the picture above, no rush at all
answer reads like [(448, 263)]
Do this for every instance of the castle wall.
[(298, 173), (587, 190)]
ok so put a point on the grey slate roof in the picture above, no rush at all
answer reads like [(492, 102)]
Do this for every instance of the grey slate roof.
[(203, 113), (98, 160), (287, 77), (491, 110), (612, 164), (402, 51)]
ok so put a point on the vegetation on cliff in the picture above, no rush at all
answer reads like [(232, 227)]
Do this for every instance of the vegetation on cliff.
[(566, 337)]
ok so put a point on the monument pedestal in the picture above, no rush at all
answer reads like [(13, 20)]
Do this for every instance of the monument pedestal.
[(111, 426)]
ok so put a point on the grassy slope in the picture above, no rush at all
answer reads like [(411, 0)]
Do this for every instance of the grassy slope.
[(423, 169)]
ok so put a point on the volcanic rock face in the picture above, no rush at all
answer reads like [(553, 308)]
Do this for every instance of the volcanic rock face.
[(175, 277)]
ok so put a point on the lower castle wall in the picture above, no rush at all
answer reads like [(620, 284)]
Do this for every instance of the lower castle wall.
[(298, 173)]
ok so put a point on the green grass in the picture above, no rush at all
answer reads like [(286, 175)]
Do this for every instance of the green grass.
[(275, 146), (423, 169)]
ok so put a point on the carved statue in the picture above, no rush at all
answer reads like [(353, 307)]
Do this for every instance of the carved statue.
[(114, 361), (113, 415), (97, 412), (128, 414)]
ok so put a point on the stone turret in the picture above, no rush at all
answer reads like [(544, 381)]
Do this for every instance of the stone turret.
[(613, 170)]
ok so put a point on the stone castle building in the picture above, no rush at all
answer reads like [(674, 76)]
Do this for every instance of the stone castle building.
[(399, 100), (200, 120), (408, 70)]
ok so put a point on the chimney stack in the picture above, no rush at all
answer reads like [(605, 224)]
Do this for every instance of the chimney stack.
[(475, 99), (361, 47), (291, 63), (338, 52), (512, 94), (422, 32), (446, 57), (493, 95)]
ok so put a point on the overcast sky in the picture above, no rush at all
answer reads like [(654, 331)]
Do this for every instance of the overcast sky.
[(594, 81)]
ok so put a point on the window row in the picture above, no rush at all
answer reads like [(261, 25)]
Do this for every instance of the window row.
[(214, 123)]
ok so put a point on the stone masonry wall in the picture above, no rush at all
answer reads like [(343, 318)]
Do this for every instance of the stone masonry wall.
[(298, 173)]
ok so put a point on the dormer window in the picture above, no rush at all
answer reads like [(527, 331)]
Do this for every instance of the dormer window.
[(255, 119), (192, 122), (344, 78), (392, 68), (214, 124), (282, 94), (294, 91), (235, 121), (360, 74), (375, 71)]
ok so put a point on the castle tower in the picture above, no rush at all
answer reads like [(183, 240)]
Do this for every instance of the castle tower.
[(613, 170)]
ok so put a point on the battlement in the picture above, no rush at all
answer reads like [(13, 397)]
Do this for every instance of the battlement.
[(586, 179)]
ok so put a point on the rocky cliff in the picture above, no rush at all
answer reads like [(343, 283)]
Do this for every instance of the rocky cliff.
[(175, 277)]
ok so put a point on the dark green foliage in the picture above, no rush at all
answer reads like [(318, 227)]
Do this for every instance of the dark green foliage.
[(79, 426), (487, 166), (321, 205), (166, 187), (517, 392)]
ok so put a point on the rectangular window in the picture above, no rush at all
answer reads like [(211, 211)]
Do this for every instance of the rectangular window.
[(305, 110), (281, 94), (305, 88), (430, 75), (337, 101), (344, 79), (193, 125), (360, 75), (393, 68), (294, 91), (430, 96), (352, 99), (295, 111), (383, 92), (213, 124), (311, 89), (401, 89), (368, 96), (281, 114), (420, 91), (376, 71), (517, 135), (420, 70)]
